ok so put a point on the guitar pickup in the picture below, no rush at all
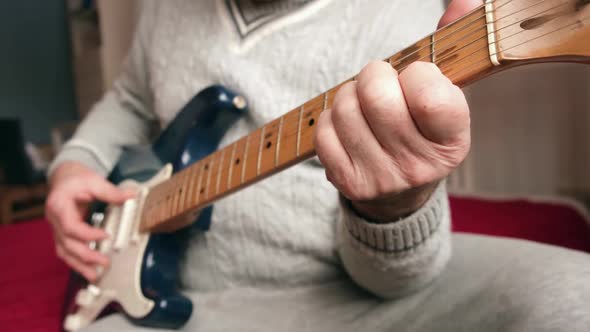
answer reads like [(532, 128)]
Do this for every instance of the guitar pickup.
[(126, 222)]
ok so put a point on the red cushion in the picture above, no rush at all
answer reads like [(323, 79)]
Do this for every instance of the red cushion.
[(552, 222), (32, 279)]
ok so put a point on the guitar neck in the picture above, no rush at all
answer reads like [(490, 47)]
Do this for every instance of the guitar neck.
[(496, 36), (463, 51)]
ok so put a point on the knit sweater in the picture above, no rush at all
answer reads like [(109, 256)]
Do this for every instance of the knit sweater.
[(289, 230)]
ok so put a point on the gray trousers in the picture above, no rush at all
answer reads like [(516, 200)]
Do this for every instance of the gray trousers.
[(490, 284)]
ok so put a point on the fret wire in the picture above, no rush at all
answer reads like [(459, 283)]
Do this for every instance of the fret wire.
[(450, 46), (231, 164), (260, 151), (299, 129), (159, 213), (173, 195), (168, 197), (245, 159), (209, 171), (432, 48), (155, 208), (170, 202), (278, 145), (401, 60), (191, 184), (199, 185), (180, 203), (480, 38), (464, 27), (182, 190), (163, 201), (219, 171), (164, 207)]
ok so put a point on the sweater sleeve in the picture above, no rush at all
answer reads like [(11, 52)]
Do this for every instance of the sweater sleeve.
[(124, 116), (401, 257)]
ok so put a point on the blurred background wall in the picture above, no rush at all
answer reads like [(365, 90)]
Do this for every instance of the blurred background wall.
[(117, 23), (36, 78), (531, 132)]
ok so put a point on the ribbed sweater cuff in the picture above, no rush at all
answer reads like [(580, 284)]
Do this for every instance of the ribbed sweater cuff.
[(78, 154), (399, 235)]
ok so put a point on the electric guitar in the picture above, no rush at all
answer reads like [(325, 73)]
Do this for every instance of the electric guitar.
[(181, 174)]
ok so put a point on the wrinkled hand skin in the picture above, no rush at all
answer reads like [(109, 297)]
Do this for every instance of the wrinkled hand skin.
[(390, 138), (72, 187)]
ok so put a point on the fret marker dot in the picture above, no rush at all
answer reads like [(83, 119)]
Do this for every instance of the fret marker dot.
[(268, 145), (202, 190), (311, 122), (238, 161), (206, 166)]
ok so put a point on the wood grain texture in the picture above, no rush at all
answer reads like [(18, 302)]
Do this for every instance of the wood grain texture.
[(550, 30)]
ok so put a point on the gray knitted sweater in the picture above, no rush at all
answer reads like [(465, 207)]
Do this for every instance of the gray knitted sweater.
[(290, 230)]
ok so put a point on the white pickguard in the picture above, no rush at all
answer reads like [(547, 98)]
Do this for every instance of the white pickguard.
[(126, 247)]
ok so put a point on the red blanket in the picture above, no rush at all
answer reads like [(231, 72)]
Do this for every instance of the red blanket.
[(32, 279)]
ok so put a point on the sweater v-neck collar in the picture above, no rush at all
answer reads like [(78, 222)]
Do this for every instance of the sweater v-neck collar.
[(249, 16)]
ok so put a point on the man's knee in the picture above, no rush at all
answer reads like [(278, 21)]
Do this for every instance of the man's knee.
[(513, 285), (544, 289)]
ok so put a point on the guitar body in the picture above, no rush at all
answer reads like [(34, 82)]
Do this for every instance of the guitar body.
[(143, 276)]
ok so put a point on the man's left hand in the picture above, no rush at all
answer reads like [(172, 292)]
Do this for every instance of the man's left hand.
[(388, 140)]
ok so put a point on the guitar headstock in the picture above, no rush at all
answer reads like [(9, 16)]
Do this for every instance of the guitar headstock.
[(540, 31)]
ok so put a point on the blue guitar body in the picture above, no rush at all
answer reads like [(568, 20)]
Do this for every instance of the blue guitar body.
[(195, 133)]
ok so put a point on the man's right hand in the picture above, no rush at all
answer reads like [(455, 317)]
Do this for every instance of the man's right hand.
[(73, 187)]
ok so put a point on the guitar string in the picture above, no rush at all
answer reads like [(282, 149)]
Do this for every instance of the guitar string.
[(477, 50), (452, 33), (426, 56), (448, 73), (486, 58), (429, 46)]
